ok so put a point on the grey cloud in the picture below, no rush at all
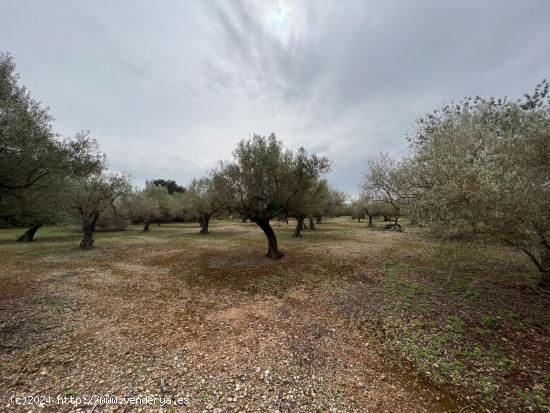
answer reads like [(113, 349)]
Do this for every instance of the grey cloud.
[(168, 88)]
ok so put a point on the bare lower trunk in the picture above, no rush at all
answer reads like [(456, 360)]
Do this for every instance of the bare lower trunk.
[(311, 224), (359, 219), (319, 219), (370, 220), (298, 229), (88, 226), (146, 227), (204, 221), (545, 275), (29, 233), (272, 252)]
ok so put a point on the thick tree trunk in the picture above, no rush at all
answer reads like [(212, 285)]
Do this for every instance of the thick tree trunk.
[(311, 224), (272, 252), (88, 226), (298, 229), (319, 219), (359, 219), (370, 220), (146, 226), (29, 233), (203, 221)]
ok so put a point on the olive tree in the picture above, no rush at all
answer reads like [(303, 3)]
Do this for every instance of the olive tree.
[(92, 196), (384, 183), (265, 180), (326, 202), (304, 189), (148, 205), (201, 202), (34, 162), (482, 168)]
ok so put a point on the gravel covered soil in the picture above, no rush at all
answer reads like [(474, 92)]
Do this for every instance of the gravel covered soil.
[(172, 314)]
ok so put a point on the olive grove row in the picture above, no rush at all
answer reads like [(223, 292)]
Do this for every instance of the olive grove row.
[(49, 180), (477, 169)]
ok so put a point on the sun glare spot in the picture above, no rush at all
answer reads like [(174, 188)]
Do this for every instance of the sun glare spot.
[(279, 17)]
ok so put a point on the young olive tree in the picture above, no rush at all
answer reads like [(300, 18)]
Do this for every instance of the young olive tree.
[(384, 186), (326, 202), (305, 189), (482, 168), (357, 209), (92, 196), (201, 202), (148, 205), (263, 180)]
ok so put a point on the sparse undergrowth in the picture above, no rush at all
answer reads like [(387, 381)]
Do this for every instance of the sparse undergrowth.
[(465, 317), (328, 327)]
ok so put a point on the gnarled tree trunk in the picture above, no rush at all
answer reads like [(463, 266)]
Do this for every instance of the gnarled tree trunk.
[(370, 220), (299, 225), (311, 224), (29, 233), (272, 252), (204, 219), (88, 226), (146, 226)]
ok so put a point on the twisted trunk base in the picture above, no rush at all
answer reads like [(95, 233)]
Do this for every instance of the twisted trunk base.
[(272, 252), (28, 236), (299, 226)]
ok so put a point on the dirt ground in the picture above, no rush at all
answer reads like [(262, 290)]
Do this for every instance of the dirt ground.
[(351, 320)]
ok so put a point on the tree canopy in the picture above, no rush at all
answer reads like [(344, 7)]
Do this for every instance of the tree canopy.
[(266, 180)]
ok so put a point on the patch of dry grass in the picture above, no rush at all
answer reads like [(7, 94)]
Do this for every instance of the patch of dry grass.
[(327, 327)]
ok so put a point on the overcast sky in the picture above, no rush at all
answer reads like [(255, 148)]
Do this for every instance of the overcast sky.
[(168, 88)]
